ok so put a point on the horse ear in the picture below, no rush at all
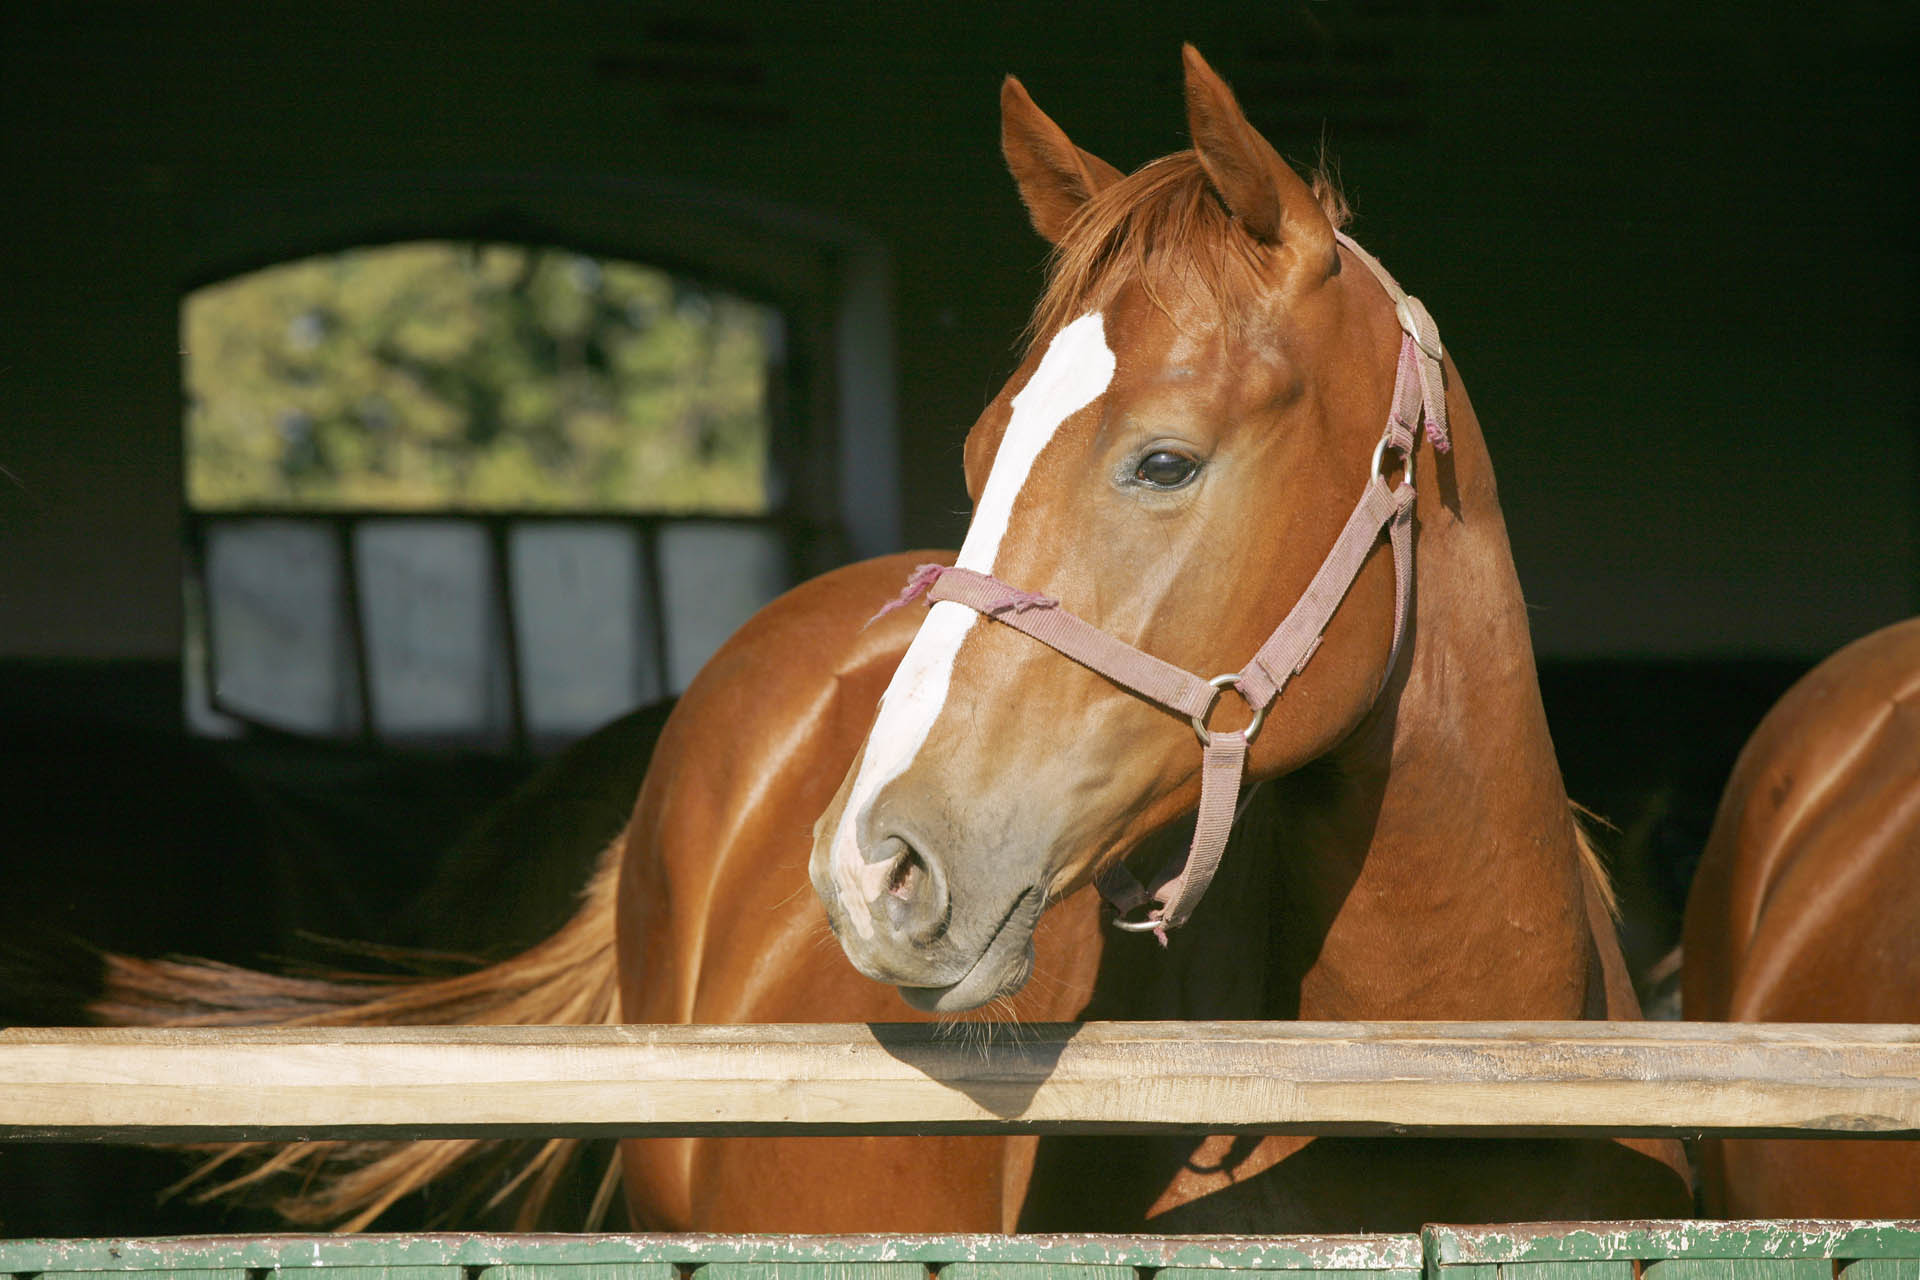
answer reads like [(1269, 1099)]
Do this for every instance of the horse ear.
[(1055, 177), (1272, 201)]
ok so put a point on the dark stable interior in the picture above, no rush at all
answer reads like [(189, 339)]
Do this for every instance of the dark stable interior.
[(1672, 249)]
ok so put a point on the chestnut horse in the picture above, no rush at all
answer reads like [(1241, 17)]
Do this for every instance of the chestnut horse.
[(1806, 908), (1209, 385)]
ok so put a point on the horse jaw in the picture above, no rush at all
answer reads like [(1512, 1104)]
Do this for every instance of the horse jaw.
[(861, 868)]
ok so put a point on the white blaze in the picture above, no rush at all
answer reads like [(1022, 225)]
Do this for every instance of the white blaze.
[(1076, 369)]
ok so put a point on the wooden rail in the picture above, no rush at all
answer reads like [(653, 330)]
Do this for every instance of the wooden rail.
[(1479, 1079)]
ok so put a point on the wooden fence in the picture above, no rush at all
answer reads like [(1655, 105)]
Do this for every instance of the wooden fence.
[(1477, 1079), (1550, 1251)]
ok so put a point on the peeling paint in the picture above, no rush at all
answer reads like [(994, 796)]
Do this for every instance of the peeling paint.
[(1471, 1253)]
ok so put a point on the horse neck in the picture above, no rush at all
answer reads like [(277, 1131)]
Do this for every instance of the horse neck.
[(1428, 868), (1442, 870)]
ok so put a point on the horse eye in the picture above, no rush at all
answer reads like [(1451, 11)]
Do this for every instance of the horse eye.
[(1165, 469)]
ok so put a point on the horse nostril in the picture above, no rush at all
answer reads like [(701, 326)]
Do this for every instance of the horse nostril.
[(903, 880), (909, 893)]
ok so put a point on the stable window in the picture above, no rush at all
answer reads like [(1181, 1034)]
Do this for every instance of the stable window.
[(485, 495)]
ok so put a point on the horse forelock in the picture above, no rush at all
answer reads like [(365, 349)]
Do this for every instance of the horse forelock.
[(1161, 223)]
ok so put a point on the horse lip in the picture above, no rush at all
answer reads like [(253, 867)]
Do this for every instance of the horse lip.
[(956, 996)]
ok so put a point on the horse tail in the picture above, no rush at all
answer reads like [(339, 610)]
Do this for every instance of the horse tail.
[(570, 979)]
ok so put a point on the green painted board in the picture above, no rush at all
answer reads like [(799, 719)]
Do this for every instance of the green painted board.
[(1270, 1273), (1649, 1242), (1041, 1271), (578, 1257), (635, 1270), (1795, 1250), (1883, 1269), (376, 1272), (811, 1271), (1740, 1269), (1591, 1269)]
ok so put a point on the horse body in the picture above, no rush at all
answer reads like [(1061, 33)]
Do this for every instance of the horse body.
[(1804, 909), (1412, 853), (717, 924)]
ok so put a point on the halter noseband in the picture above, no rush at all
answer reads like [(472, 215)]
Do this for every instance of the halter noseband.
[(1418, 398)]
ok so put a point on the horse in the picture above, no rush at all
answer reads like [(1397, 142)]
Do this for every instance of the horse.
[(1804, 909), (863, 813), (1215, 371)]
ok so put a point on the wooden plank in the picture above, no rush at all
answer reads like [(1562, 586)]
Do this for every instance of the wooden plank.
[(1264, 1273), (371, 1272), (1451, 1247), (811, 1271), (1591, 1269), (1883, 1269), (635, 1270), (1739, 1269), (1056, 1271), (1399, 1254), (1793, 1250), (1330, 1078)]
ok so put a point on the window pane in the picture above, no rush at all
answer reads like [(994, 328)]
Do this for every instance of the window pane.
[(396, 412), (435, 375), (438, 667), (585, 628), (276, 617), (714, 576)]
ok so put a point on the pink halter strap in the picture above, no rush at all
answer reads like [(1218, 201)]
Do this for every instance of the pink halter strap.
[(1419, 399)]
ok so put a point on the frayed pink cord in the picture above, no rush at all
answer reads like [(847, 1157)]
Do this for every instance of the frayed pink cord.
[(1408, 375), (919, 582), (1019, 601), (922, 579)]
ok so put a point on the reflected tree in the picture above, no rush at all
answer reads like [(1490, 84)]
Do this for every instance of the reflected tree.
[(434, 375)]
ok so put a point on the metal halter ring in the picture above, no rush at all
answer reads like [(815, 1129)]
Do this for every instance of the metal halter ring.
[(1148, 925), (1380, 456), (1229, 681)]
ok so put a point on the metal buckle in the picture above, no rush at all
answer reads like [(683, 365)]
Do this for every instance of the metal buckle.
[(1229, 681), (1411, 312), (1380, 456)]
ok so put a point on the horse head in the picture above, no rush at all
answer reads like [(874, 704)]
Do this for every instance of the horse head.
[(1202, 398)]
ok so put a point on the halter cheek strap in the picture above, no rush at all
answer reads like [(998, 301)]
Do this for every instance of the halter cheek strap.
[(1418, 400)]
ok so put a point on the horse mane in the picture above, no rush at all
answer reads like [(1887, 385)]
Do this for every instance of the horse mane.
[(1162, 221), (1592, 863)]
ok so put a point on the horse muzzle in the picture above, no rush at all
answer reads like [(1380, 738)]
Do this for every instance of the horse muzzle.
[(891, 906)]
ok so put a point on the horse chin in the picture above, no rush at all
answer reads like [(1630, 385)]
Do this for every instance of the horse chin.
[(1002, 968), (976, 989)]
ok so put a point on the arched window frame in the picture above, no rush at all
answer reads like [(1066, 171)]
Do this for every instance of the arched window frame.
[(833, 446)]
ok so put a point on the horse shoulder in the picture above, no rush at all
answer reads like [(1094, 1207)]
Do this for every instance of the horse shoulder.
[(719, 924), (723, 819)]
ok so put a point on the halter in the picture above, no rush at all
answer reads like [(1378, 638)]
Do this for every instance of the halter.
[(1418, 398)]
